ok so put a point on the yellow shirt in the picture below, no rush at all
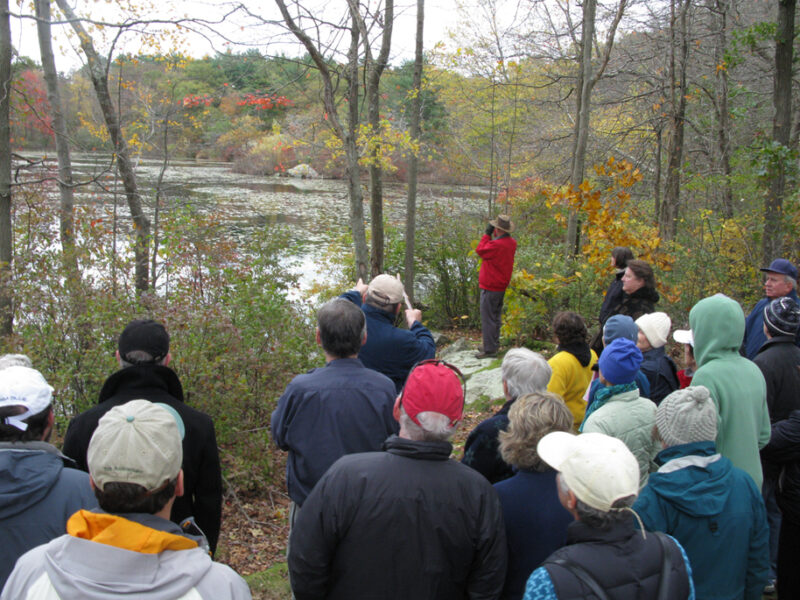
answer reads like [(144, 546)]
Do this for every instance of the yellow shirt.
[(570, 380)]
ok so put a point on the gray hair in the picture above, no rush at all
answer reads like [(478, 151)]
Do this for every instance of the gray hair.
[(532, 417), (15, 360), (435, 427), (791, 281), (525, 372), (596, 518)]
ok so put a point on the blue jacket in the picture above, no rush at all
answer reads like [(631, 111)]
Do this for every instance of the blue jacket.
[(482, 448), (754, 336), (661, 373), (37, 497), (717, 514), (341, 408), (536, 525), (389, 349)]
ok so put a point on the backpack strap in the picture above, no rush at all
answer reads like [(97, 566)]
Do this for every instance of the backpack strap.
[(666, 566), (582, 575)]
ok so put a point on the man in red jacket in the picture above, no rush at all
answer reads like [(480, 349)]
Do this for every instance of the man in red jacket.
[(497, 249)]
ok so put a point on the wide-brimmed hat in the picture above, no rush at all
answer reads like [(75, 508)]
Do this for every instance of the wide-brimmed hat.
[(503, 222)]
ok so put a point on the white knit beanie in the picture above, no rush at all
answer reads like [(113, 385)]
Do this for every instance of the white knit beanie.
[(655, 326), (686, 416)]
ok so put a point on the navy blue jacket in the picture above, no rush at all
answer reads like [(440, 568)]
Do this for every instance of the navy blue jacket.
[(714, 510), (784, 449), (37, 497), (482, 448), (661, 373), (390, 350), (341, 408), (536, 525), (754, 336)]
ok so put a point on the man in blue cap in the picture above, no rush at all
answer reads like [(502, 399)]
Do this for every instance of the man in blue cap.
[(780, 280)]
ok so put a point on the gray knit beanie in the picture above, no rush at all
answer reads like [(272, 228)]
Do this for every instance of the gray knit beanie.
[(686, 416)]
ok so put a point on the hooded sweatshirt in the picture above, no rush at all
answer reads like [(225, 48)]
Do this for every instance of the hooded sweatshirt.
[(714, 510), (735, 383), (37, 496), (107, 556)]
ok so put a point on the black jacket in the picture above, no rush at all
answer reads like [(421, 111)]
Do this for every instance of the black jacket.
[(784, 450), (779, 361), (640, 302), (202, 476), (613, 298), (404, 523), (661, 372), (625, 564)]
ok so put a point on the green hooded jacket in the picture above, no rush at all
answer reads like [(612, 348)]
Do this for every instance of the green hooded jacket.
[(736, 383)]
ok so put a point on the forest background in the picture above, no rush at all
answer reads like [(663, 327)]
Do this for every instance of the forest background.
[(670, 126)]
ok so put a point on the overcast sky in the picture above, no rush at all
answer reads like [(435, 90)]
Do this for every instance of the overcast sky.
[(439, 16)]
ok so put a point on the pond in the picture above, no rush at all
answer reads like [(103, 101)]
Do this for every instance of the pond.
[(316, 209)]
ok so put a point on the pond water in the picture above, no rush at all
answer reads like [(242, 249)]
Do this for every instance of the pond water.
[(317, 209)]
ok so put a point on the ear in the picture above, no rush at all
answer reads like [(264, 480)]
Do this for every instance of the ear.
[(92, 483), (167, 359), (572, 500), (118, 357), (399, 308), (396, 409), (318, 338), (505, 388), (179, 485), (364, 339)]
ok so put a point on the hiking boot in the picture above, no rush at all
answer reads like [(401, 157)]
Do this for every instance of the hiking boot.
[(483, 354)]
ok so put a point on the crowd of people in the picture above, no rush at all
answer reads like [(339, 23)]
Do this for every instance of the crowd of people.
[(607, 473)]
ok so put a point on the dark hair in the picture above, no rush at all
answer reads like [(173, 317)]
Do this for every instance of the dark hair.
[(643, 271), (569, 328), (36, 425), (598, 519), (116, 497), (341, 327), (621, 255)]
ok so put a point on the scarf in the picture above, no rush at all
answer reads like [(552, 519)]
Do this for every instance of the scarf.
[(603, 395)]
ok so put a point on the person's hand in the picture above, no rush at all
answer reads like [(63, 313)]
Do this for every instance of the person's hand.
[(489, 229), (413, 314), (361, 287)]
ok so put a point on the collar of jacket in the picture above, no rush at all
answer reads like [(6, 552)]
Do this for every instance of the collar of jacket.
[(142, 377), (338, 363), (399, 446), (120, 531), (32, 446), (707, 448), (579, 532), (645, 293), (378, 313), (775, 340)]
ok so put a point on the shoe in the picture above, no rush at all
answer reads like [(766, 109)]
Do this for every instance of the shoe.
[(770, 587), (483, 354)]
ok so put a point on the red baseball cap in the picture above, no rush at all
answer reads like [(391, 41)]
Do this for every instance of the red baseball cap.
[(433, 387)]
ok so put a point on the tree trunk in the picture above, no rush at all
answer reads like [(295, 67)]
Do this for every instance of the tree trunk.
[(582, 124), (781, 130), (668, 220), (723, 119), (347, 136), (657, 173), (125, 167), (413, 167), (70, 259), (6, 250), (374, 69)]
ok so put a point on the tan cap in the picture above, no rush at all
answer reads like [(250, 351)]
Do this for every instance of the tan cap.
[(385, 290), (503, 222), (597, 468), (138, 442)]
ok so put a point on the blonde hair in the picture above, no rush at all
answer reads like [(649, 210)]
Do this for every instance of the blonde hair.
[(531, 418)]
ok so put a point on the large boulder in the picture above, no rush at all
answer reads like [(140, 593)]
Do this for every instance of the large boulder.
[(303, 171)]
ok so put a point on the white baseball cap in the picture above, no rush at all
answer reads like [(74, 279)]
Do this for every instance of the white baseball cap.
[(598, 468), (137, 442), (26, 387), (683, 336)]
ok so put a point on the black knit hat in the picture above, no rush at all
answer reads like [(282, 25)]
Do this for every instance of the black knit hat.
[(782, 316), (144, 335)]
